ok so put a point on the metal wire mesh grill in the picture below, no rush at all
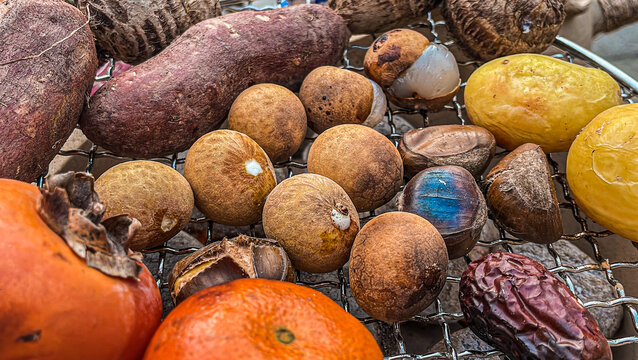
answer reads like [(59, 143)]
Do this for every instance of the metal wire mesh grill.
[(455, 110)]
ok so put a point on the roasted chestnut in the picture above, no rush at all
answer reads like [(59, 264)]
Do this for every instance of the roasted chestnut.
[(413, 72), (468, 146), (522, 198), (227, 260), (449, 198)]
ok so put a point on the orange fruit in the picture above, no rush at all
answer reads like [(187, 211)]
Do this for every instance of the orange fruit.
[(261, 319), (53, 305)]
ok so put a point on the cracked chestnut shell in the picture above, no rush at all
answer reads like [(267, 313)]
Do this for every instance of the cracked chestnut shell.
[(488, 29), (361, 160), (519, 307), (522, 198), (313, 218), (227, 260), (398, 266), (449, 198), (468, 146)]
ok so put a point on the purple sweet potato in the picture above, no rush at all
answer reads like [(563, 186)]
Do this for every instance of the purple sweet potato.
[(166, 103), (47, 65)]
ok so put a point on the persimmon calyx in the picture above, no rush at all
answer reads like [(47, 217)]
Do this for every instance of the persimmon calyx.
[(72, 209)]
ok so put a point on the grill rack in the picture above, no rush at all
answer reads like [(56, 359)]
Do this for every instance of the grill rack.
[(569, 51)]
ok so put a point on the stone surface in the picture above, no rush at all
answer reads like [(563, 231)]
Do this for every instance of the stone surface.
[(463, 340)]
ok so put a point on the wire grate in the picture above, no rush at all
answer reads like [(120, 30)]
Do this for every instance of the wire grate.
[(455, 111)]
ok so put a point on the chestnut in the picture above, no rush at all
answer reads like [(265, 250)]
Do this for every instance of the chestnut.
[(522, 198), (333, 96), (413, 72), (488, 29), (468, 146), (227, 260), (449, 198)]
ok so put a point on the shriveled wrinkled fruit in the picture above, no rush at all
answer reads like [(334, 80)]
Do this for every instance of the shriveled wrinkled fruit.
[(519, 307), (333, 96), (70, 289), (449, 198), (467, 146), (156, 195), (271, 115), (602, 170), (230, 175), (398, 266), (313, 218), (251, 319), (227, 260), (522, 198), (413, 72), (362, 161), (487, 29)]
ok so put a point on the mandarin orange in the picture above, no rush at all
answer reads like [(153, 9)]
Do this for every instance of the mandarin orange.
[(261, 319)]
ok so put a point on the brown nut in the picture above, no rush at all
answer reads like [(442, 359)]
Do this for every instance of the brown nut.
[(333, 96), (230, 175), (156, 195), (490, 29), (314, 220), (398, 266), (468, 146), (413, 72), (519, 307), (449, 198), (272, 116), (522, 198), (227, 260), (362, 161)]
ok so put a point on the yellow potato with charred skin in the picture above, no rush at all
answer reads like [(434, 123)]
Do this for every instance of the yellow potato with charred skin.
[(529, 98), (602, 170)]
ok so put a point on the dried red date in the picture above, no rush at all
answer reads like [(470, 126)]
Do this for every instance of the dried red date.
[(519, 307)]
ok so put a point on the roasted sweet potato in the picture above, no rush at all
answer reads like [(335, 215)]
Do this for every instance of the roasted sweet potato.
[(47, 64), (134, 30), (164, 104)]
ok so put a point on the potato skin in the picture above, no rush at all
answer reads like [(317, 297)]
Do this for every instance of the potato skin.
[(333, 96), (216, 167), (134, 31), (271, 115), (398, 266), (374, 16), (531, 98), (186, 90), (153, 193), (361, 160), (602, 170), (40, 98)]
